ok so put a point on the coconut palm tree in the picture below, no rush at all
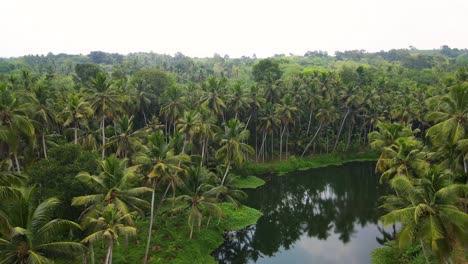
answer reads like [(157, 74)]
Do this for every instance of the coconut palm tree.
[(427, 209), (106, 225), (199, 196), (113, 185), (285, 111), (233, 150), (326, 115), (32, 234), (450, 117), (189, 125), (76, 113), (162, 165), (213, 98), (126, 140), (105, 102), (14, 123), (406, 158)]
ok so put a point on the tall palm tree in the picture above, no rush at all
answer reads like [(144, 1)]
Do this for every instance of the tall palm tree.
[(126, 140), (14, 123), (33, 235), (105, 102), (199, 195), (232, 149), (113, 185), (238, 100), (162, 165), (76, 113), (44, 117), (405, 158), (326, 115), (427, 209), (213, 98), (450, 116), (108, 224), (285, 112), (189, 125), (173, 107)]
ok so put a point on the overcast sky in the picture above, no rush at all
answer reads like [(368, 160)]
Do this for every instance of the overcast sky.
[(236, 27)]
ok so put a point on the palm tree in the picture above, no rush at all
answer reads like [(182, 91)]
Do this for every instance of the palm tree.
[(108, 224), (44, 117), (213, 98), (105, 101), (388, 134), (199, 196), (189, 125), (450, 117), (125, 139), (326, 115), (239, 100), (427, 209), (14, 123), (405, 158), (159, 159), (173, 108), (268, 123), (285, 112), (75, 113), (33, 235), (232, 150), (113, 185)]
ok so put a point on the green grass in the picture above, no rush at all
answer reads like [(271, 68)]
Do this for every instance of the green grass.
[(249, 182), (170, 238), (294, 164), (392, 254)]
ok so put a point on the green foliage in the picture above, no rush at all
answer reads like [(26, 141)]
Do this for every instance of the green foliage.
[(56, 174), (266, 71), (249, 182), (391, 254)]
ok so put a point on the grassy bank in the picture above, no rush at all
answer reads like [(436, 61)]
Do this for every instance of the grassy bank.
[(294, 164), (170, 238)]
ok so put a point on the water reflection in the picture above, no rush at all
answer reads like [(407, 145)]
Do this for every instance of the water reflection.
[(318, 216)]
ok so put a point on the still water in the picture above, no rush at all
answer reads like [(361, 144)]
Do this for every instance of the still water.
[(326, 215)]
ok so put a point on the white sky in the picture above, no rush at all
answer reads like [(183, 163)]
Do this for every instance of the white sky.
[(235, 27)]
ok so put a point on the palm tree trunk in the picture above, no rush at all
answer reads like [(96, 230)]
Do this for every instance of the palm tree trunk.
[(75, 134), (18, 168), (109, 251), (312, 140), (44, 147), (151, 222), (341, 129), (287, 142), (103, 154), (424, 251), (91, 252), (191, 228), (225, 174), (248, 121), (281, 141), (308, 124), (202, 152), (272, 136)]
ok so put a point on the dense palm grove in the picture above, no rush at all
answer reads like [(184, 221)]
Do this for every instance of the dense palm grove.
[(110, 139)]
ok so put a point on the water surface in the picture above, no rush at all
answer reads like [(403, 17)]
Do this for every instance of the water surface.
[(326, 215)]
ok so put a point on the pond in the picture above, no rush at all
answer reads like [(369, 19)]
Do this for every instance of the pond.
[(326, 215)]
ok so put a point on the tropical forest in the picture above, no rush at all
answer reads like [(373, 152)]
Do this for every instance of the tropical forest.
[(351, 157)]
